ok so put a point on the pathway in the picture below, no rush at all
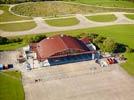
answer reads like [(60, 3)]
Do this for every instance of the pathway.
[(1, 12), (43, 27)]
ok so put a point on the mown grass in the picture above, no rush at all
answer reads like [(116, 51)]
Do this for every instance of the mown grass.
[(53, 9), (129, 65), (130, 16), (108, 3), (11, 87), (120, 33), (7, 16), (102, 18), (63, 22), (17, 26), (12, 46)]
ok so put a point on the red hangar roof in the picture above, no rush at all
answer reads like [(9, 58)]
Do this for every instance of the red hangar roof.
[(56, 44), (86, 40)]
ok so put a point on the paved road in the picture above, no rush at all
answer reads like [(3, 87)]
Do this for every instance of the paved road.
[(43, 27), (20, 21)]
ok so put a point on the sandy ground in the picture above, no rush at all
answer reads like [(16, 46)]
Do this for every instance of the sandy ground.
[(78, 81), (84, 23)]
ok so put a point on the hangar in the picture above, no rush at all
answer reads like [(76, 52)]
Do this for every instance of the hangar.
[(61, 49)]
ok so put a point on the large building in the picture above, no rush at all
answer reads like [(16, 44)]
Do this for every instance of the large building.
[(61, 49)]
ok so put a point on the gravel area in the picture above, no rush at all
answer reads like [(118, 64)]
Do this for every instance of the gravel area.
[(78, 81)]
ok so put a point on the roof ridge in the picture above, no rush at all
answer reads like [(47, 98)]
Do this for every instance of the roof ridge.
[(63, 42)]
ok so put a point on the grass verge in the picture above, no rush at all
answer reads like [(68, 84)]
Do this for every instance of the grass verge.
[(129, 65), (102, 18), (11, 86), (130, 16), (62, 22), (12, 46), (17, 26)]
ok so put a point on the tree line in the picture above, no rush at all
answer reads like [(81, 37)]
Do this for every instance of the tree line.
[(27, 40), (102, 43)]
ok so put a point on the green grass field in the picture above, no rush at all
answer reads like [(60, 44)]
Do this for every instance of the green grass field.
[(7, 16), (102, 18), (129, 65), (63, 22), (11, 86), (12, 46), (18, 26), (54, 9), (130, 16), (108, 3)]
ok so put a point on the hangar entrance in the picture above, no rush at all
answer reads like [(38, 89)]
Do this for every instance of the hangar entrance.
[(69, 59)]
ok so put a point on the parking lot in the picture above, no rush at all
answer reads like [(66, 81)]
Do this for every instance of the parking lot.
[(10, 57), (78, 81)]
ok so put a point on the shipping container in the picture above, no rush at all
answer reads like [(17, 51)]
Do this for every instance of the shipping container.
[(10, 65)]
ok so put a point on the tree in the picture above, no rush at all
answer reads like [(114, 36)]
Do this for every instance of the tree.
[(98, 41), (129, 50), (3, 40), (109, 45), (121, 48), (34, 39), (14, 40), (93, 35), (38, 38)]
